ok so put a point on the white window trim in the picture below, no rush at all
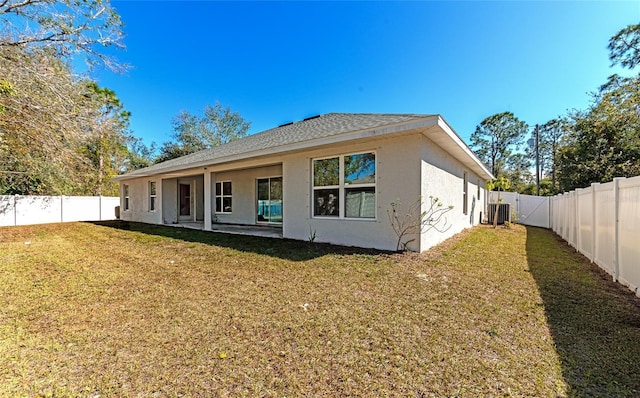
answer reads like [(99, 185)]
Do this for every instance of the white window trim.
[(465, 193), (222, 196), (256, 197), (126, 198), (342, 187), (154, 196)]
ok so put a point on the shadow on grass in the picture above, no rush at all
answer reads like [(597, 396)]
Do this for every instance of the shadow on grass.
[(595, 322), (286, 249)]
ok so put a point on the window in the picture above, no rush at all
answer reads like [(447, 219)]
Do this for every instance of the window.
[(270, 200), (152, 196), (224, 200), (465, 193), (345, 186), (125, 194), (326, 187), (478, 195)]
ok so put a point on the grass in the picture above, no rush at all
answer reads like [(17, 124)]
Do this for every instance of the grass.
[(125, 309)]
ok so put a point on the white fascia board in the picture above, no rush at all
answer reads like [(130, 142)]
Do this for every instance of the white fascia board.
[(452, 142)]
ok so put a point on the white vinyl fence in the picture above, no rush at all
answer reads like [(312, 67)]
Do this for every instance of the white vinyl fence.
[(28, 210), (603, 223), (525, 209)]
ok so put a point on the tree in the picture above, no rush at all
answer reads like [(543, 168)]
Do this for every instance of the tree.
[(193, 133), (604, 141), (497, 138), (42, 123), (106, 143), (518, 172), (68, 28), (551, 136), (139, 155), (59, 134), (624, 47)]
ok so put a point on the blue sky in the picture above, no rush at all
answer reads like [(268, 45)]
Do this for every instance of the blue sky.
[(276, 62)]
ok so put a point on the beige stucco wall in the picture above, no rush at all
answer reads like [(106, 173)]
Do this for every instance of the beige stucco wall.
[(139, 201), (166, 199), (408, 167), (397, 178), (244, 183), (442, 177)]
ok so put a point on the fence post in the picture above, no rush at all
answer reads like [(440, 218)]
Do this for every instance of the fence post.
[(593, 221), (15, 210), (576, 214), (100, 208), (616, 228), (61, 208), (550, 224)]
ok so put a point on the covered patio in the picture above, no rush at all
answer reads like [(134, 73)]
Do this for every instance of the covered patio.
[(265, 231)]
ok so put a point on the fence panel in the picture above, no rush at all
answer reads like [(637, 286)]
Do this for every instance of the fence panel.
[(604, 226), (527, 209), (534, 210), (29, 210), (584, 222), (629, 232), (603, 223), (80, 208), (108, 208), (7, 210), (38, 209)]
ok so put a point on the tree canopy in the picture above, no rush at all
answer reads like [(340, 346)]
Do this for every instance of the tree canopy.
[(192, 133), (604, 141), (624, 47), (60, 132), (582, 147), (496, 141), (67, 28)]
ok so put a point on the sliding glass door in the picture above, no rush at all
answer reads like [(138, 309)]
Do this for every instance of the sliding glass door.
[(270, 200)]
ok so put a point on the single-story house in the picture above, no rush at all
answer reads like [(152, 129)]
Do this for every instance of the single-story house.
[(330, 178)]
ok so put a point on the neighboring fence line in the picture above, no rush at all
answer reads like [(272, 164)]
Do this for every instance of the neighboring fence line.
[(27, 210), (603, 223)]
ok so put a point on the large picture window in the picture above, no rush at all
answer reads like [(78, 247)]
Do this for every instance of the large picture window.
[(224, 197), (345, 186)]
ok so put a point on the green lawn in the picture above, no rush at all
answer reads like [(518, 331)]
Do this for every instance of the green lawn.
[(125, 309)]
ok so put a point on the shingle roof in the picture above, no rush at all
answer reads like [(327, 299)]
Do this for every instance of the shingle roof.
[(326, 125), (286, 136)]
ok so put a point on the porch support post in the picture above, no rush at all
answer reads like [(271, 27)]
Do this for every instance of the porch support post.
[(207, 200)]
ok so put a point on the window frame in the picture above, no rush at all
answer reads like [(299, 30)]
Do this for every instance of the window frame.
[(465, 193), (222, 197), (343, 187), (257, 202), (153, 196), (125, 197)]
